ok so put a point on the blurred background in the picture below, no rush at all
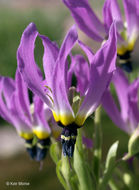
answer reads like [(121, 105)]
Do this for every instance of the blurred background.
[(53, 20)]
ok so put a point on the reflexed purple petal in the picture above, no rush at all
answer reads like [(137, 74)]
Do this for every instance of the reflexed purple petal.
[(9, 105), (19, 121), (67, 45), (70, 71), (133, 103), (8, 90), (111, 12), (107, 15), (47, 112), (132, 16), (60, 73), (80, 68), (39, 114), (100, 74), (16, 109), (86, 19), (121, 85), (49, 58), (56, 130), (4, 112), (112, 110), (137, 7), (20, 124), (22, 96), (87, 50), (27, 65)]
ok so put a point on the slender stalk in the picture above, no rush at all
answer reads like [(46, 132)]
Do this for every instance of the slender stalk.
[(65, 169), (79, 140), (97, 152), (81, 166)]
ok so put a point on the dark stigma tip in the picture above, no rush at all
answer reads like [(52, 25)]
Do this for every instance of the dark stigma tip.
[(125, 61), (42, 148), (127, 67), (30, 148), (68, 140)]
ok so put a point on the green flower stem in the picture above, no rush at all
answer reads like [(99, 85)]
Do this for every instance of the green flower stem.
[(60, 176), (84, 177), (55, 151), (66, 171), (79, 140), (97, 152), (81, 166)]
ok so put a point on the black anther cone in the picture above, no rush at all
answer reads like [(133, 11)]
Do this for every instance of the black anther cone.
[(32, 150), (127, 66), (68, 145), (41, 152)]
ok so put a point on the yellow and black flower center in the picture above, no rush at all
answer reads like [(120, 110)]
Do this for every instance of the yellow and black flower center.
[(38, 150), (31, 149), (125, 61), (68, 138), (42, 147)]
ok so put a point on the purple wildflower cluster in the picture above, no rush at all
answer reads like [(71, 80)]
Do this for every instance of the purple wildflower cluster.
[(58, 106)]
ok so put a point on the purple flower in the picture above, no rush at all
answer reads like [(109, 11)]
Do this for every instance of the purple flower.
[(14, 105), (17, 110), (28, 119), (54, 90), (127, 117), (127, 32)]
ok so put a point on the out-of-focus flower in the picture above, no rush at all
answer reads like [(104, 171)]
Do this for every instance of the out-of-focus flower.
[(127, 118), (56, 91), (28, 119), (127, 32)]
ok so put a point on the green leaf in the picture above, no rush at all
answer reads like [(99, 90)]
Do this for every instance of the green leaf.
[(59, 175), (109, 166), (74, 182), (82, 171), (54, 152), (69, 174), (133, 145)]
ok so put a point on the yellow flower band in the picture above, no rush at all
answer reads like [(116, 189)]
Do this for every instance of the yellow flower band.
[(64, 118), (26, 135), (121, 50), (41, 134), (55, 116), (80, 119), (67, 119)]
